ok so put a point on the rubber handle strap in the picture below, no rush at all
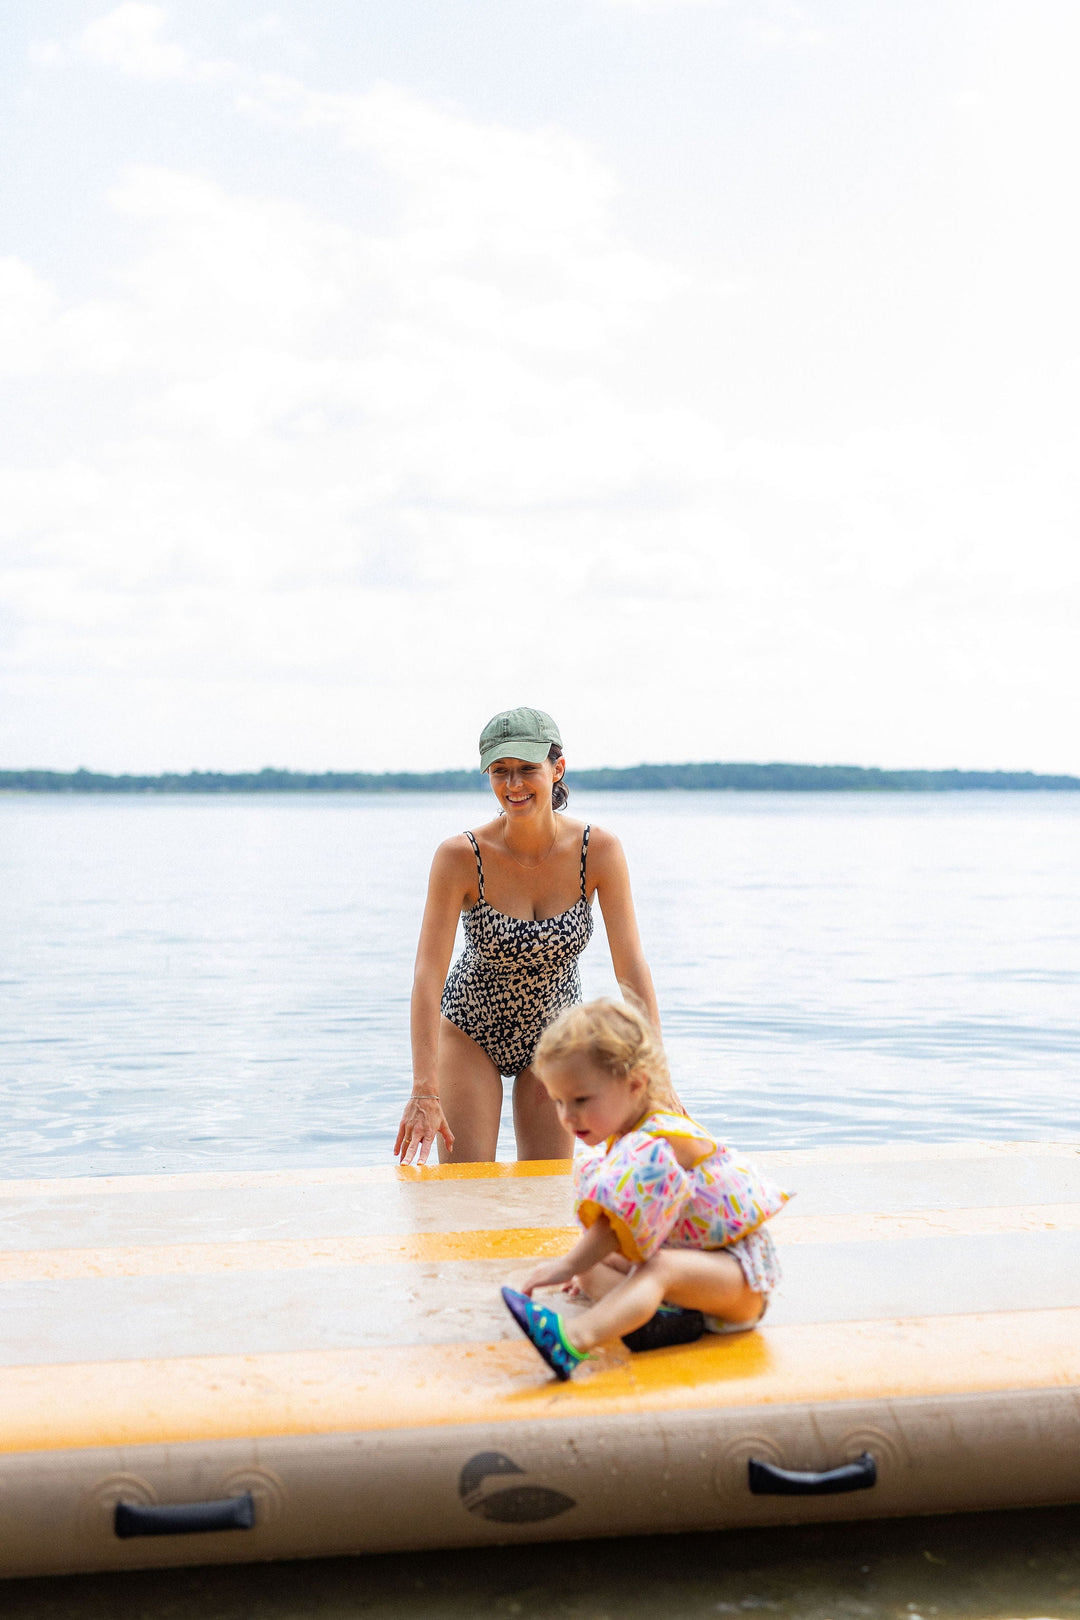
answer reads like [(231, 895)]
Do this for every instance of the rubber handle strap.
[(767, 1480), (185, 1518)]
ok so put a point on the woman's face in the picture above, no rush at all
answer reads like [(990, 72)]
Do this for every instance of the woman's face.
[(523, 788)]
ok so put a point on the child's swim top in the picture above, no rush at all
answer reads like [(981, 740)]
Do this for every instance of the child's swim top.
[(650, 1200)]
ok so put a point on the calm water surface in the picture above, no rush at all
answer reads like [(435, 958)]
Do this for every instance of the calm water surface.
[(213, 982), (985, 1566)]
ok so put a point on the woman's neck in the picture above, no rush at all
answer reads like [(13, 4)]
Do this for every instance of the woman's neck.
[(530, 842)]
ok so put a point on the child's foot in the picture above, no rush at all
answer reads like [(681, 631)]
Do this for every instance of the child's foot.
[(670, 1325), (544, 1328)]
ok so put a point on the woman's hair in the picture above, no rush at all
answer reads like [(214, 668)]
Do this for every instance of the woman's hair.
[(618, 1038), (560, 793)]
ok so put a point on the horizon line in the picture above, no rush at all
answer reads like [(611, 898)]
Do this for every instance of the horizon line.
[(698, 775)]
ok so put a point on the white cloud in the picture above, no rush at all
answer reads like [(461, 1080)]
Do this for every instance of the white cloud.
[(130, 38), (514, 231), (469, 338), (27, 309), (323, 426), (667, 5), (768, 25), (453, 440)]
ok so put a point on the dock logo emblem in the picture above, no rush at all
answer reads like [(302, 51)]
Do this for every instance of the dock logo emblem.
[(523, 1503)]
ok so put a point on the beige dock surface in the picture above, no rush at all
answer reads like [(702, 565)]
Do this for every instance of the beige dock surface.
[(327, 1352)]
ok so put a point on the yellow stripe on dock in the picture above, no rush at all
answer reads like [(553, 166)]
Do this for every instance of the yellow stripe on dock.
[(227, 1180), (283, 1254), (491, 1243), (388, 1174), (208, 1398)]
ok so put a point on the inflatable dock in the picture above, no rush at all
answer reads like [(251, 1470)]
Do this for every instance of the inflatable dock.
[(208, 1368)]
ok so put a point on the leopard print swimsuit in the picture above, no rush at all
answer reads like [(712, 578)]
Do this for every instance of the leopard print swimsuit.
[(515, 974)]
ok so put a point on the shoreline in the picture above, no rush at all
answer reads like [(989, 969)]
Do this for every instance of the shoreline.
[(716, 777)]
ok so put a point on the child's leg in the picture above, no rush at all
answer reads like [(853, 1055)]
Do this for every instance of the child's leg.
[(599, 1280), (706, 1280)]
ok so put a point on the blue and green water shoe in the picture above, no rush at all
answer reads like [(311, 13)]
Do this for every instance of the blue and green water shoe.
[(544, 1328)]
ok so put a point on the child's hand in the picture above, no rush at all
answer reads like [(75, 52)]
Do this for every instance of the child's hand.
[(548, 1274)]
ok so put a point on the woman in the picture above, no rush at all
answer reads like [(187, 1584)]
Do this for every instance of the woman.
[(523, 884)]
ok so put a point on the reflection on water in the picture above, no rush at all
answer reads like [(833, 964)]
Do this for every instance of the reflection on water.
[(993, 1566), (206, 982)]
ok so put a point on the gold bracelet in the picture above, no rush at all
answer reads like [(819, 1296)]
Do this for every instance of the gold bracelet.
[(424, 1096)]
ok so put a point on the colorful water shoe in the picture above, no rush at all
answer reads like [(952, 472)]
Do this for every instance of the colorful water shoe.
[(670, 1325), (544, 1327)]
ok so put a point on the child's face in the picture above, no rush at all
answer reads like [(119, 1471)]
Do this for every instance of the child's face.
[(592, 1103)]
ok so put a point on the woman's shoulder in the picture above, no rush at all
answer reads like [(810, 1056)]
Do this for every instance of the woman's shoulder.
[(603, 845), (455, 854), (484, 832)]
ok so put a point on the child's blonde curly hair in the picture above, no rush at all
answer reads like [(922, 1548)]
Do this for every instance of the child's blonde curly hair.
[(618, 1038)]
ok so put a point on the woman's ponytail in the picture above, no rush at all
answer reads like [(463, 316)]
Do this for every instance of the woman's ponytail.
[(560, 793)]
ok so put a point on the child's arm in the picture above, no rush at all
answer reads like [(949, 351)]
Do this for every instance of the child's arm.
[(594, 1244)]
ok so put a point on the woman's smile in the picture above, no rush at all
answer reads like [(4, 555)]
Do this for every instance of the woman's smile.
[(515, 781)]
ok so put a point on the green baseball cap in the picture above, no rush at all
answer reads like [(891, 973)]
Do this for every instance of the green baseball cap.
[(518, 734)]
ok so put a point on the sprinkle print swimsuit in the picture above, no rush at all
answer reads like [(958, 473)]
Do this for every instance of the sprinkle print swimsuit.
[(638, 1184), (515, 974)]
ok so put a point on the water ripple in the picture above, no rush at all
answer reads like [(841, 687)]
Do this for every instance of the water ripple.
[(827, 972)]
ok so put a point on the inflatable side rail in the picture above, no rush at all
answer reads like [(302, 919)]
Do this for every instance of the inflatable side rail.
[(765, 1479), (184, 1518)]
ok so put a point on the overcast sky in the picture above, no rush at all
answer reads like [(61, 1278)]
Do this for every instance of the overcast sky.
[(704, 371)]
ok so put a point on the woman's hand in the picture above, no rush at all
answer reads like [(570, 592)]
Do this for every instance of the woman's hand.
[(422, 1121)]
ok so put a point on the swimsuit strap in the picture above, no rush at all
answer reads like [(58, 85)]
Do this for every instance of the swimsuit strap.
[(584, 854), (479, 862)]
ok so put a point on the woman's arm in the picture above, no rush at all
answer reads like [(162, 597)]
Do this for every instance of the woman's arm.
[(423, 1119), (612, 878)]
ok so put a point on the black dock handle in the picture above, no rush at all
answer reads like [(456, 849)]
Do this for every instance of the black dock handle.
[(768, 1480), (185, 1518)]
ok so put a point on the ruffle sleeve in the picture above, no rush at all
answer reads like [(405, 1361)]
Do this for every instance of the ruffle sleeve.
[(640, 1186), (731, 1200), (680, 1128)]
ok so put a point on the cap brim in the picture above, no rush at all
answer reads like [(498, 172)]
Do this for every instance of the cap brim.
[(528, 749)]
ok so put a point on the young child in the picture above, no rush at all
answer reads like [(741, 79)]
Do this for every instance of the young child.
[(656, 1189)]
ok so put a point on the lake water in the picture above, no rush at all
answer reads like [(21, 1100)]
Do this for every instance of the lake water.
[(222, 983)]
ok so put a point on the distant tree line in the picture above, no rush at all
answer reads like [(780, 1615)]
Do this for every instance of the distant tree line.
[(649, 778)]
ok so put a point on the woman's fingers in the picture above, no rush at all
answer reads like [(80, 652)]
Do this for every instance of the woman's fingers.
[(406, 1138), (418, 1131)]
